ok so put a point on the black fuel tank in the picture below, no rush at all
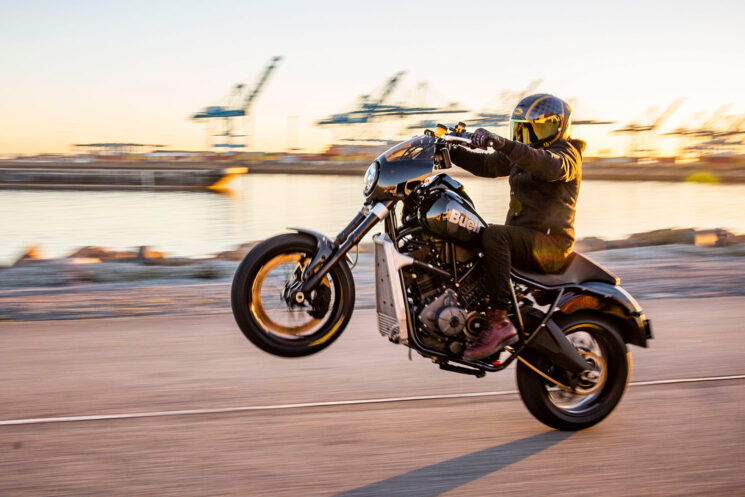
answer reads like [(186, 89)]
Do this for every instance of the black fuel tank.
[(446, 214)]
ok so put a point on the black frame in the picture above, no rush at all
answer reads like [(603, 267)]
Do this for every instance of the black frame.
[(390, 228)]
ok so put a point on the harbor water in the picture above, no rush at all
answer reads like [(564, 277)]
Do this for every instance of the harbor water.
[(258, 206)]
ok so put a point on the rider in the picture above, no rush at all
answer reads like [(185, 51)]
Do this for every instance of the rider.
[(544, 167)]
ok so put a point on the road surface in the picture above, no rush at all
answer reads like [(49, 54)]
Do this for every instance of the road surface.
[(184, 405)]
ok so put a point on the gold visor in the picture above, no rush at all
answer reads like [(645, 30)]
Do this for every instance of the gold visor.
[(534, 131)]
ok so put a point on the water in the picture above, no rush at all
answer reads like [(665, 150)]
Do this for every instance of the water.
[(196, 223)]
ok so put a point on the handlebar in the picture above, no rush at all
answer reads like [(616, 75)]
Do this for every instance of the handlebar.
[(457, 138), (464, 138), (454, 136)]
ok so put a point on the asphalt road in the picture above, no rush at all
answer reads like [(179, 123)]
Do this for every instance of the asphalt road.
[(664, 439)]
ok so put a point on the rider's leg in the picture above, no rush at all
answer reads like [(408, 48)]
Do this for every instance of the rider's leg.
[(503, 246), (514, 246)]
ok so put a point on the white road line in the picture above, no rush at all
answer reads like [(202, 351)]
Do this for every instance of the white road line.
[(686, 380), (185, 412)]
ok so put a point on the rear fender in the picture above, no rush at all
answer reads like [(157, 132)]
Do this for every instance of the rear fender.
[(614, 302)]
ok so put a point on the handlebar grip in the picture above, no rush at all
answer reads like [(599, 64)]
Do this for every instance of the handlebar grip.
[(491, 143)]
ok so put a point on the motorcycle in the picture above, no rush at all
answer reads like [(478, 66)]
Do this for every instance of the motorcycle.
[(293, 294)]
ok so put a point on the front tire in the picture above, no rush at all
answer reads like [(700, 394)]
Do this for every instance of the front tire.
[(598, 394), (262, 313)]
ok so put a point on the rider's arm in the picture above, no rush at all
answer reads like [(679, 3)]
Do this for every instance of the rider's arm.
[(486, 165), (560, 162)]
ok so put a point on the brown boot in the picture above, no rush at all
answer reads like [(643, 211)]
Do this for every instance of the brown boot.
[(501, 332)]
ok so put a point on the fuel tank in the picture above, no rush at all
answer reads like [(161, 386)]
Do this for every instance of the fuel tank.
[(448, 215)]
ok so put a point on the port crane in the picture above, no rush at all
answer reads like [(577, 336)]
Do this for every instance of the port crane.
[(655, 124), (237, 104), (640, 134), (707, 128), (375, 107), (368, 107), (709, 136), (731, 137)]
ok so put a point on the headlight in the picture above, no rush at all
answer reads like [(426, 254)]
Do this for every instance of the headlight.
[(371, 178)]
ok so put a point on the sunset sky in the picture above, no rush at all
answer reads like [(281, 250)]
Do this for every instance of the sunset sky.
[(85, 71)]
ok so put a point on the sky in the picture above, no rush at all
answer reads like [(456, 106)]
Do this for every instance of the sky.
[(92, 71)]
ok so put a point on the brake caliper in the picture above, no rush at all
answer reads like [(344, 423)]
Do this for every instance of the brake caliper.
[(321, 301)]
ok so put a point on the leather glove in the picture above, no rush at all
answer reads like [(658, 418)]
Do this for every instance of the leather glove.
[(482, 138)]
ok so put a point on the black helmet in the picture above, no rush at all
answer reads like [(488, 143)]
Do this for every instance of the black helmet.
[(540, 120)]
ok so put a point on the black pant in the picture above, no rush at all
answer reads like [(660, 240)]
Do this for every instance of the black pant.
[(506, 246)]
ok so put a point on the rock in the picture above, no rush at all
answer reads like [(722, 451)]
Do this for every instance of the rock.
[(81, 260), (34, 275), (32, 254), (231, 255), (170, 261), (623, 243), (207, 273), (146, 253), (663, 237), (102, 253), (590, 244), (735, 239), (90, 251), (717, 237), (238, 254), (714, 238), (79, 275), (707, 238)]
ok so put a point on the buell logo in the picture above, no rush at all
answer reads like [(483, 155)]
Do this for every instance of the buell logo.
[(460, 219)]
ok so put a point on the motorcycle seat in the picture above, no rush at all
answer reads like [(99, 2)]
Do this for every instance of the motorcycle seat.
[(578, 269)]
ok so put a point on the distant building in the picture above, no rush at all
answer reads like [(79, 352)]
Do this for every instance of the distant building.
[(116, 148)]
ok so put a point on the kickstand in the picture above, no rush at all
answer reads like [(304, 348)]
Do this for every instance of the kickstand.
[(410, 353)]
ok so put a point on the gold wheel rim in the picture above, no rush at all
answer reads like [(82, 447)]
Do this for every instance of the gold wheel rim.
[(257, 309), (585, 393), (602, 370)]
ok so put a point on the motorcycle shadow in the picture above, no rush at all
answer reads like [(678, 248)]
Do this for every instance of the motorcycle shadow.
[(442, 477)]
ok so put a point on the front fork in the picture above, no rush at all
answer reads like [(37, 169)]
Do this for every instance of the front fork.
[(330, 252)]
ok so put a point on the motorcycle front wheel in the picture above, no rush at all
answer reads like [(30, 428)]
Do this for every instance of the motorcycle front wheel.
[(597, 392), (268, 319)]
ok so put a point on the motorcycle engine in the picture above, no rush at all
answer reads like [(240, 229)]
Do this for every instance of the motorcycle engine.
[(443, 315)]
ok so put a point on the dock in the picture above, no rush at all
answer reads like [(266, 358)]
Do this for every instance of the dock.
[(117, 175)]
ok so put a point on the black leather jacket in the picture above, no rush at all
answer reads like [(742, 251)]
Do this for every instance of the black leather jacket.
[(544, 184)]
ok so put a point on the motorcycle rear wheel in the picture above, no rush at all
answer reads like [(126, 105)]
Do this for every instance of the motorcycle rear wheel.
[(264, 316), (597, 394)]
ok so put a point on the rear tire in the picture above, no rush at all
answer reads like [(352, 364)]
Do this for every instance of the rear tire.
[(316, 332), (570, 412)]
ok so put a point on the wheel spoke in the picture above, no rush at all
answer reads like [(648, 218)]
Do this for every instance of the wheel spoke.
[(268, 305), (591, 384)]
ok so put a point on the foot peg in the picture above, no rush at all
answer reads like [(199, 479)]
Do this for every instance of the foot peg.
[(478, 373)]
